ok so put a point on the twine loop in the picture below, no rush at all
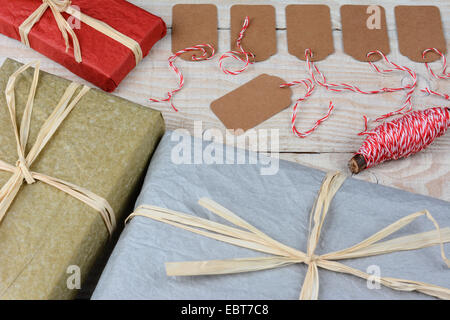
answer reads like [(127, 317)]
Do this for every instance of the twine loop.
[(443, 75), (242, 55), (319, 78), (207, 53), (309, 85)]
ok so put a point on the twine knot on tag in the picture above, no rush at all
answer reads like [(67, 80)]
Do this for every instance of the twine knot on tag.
[(241, 55)]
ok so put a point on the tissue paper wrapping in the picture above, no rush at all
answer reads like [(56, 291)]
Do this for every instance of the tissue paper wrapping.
[(105, 61), (104, 145), (278, 205)]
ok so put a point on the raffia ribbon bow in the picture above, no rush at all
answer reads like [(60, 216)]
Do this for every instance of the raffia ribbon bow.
[(247, 236), (58, 7), (21, 171)]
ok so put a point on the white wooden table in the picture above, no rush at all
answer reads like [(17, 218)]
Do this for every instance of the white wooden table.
[(332, 145)]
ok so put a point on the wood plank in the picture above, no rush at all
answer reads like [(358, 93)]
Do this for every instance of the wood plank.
[(333, 143), (205, 83), (164, 9), (426, 173)]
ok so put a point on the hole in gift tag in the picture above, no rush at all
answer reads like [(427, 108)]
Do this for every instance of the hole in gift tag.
[(364, 30), (420, 28), (252, 103), (192, 25), (365, 38)]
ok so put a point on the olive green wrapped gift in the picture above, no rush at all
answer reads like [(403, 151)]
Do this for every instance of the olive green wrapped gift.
[(61, 192)]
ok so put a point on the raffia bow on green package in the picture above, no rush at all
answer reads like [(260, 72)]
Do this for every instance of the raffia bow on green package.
[(71, 158)]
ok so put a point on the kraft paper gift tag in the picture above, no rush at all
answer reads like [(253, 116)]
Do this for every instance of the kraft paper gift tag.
[(261, 37), (193, 24), (309, 27), (252, 103), (364, 30), (420, 28)]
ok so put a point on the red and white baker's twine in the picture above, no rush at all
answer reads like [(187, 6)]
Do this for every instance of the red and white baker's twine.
[(309, 84), (241, 55), (443, 75), (404, 136), (320, 79), (205, 55), (339, 87)]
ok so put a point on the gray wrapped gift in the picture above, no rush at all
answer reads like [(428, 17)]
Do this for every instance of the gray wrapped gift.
[(279, 205)]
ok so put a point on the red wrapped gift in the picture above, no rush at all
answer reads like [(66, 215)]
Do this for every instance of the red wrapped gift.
[(107, 38)]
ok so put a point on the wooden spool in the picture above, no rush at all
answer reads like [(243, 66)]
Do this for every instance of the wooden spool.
[(357, 164)]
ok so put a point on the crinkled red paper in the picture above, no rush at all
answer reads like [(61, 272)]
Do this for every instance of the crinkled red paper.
[(106, 62)]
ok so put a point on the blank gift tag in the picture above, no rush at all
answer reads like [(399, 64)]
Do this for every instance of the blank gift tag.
[(261, 36), (309, 27), (252, 103), (193, 24), (364, 30), (419, 28)]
